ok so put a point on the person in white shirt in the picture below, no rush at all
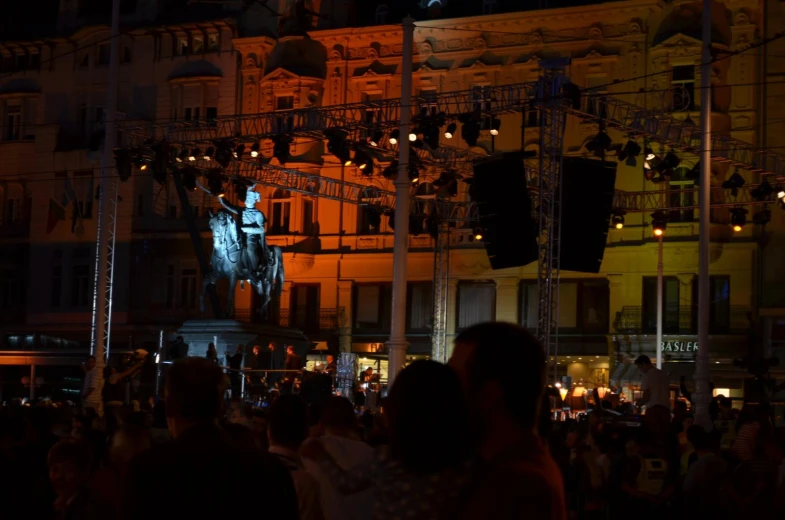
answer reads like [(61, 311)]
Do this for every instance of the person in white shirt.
[(340, 439), (656, 395), (92, 387)]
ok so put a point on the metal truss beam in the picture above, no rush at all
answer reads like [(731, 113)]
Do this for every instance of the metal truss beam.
[(441, 276), (105, 299), (661, 127), (642, 201), (313, 121), (552, 128)]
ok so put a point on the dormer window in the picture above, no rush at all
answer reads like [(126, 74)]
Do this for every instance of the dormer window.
[(382, 12), (683, 84), (197, 45), (183, 48), (104, 52), (213, 42)]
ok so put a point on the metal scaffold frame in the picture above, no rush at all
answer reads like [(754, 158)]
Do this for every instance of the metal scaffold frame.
[(655, 126), (552, 123), (441, 277), (106, 299)]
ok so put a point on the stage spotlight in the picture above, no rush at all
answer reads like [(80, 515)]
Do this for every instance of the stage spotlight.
[(281, 148), (630, 152), (338, 146), (364, 162), (182, 156), (255, 149), (496, 124), (394, 135), (600, 144), (239, 151), (215, 183), (390, 214), (432, 225), (224, 153), (470, 129), (733, 184), (780, 193), (208, 155), (122, 161), (762, 217), (659, 223), (618, 219), (189, 178), (763, 190), (448, 182), (671, 160), (738, 217), (194, 154), (414, 174), (160, 164), (376, 137), (416, 224), (391, 172), (573, 93), (451, 128), (477, 233), (650, 156), (413, 135)]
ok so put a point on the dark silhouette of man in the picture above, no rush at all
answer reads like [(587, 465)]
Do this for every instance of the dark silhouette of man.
[(201, 473), (516, 476)]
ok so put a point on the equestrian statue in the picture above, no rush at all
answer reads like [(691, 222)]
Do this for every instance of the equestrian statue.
[(241, 253)]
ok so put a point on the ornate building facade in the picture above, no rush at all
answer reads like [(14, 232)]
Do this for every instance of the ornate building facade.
[(338, 260)]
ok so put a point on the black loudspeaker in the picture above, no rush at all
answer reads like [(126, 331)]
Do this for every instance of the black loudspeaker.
[(587, 204), (509, 232)]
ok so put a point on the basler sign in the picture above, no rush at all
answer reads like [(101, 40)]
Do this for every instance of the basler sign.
[(679, 346)]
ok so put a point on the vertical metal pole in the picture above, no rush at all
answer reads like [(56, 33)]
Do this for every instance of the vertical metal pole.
[(32, 384), (98, 348), (658, 346), (158, 363), (397, 344), (701, 395)]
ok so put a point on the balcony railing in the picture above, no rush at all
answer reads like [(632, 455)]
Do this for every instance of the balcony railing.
[(679, 320), (326, 320)]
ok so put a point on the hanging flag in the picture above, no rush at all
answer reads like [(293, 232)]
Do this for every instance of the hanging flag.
[(56, 214), (67, 196)]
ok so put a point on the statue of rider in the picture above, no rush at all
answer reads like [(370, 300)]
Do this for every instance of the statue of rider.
[(252, 230)]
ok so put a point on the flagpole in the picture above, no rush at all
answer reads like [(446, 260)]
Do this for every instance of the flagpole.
[(101, 285)]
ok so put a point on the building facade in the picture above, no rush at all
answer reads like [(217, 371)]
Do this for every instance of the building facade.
[(338, 260)]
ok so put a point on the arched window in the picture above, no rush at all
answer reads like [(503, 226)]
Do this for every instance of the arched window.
[(280, 213), (381, 14)]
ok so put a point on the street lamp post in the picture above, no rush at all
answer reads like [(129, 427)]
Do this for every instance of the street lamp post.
[(397, 344)]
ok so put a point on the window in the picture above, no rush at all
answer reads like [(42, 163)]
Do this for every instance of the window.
[(169, 286), (9, 289), (670, 305), (382, 12), (80, 286), (191, 113), (372, 307), (13, 121), (719, 311), (683, 198), (188, 293), (476, 304), (56, 295), (197, 45), (683, 84), (583, 306), (211, 112), (369, 220), (280, 213), (182, 46), (305, 308), (84, 193), (309, 224), (213, 42), (597, 87), (12, 213), (488, 6), (284, 124), (420, 306), (104, 52), (194, 101), (372, 114)]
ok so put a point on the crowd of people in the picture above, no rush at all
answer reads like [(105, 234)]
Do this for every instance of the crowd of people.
[(470, 439)]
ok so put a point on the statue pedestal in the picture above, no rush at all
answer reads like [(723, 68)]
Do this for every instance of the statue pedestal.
[(228, 334)]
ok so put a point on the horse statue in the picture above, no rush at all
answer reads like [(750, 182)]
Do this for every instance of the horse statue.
[(228, 261)]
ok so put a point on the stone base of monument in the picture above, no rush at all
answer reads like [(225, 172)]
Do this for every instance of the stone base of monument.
[(228, 334)]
